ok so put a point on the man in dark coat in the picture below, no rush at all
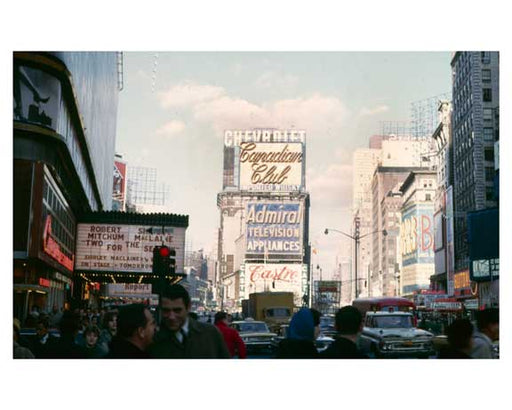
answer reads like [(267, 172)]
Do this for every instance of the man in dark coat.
[(181, 337), (65, 347), (301, 336), (135, 332), (349, 323), (460, 342), (234, 342)]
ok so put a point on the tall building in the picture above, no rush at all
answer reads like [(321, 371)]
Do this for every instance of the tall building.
[(64, 128), (442, 280), (365, 160), (475, 128), (264, 216)]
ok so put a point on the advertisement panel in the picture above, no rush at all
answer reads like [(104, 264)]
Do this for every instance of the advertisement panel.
[(142, 290), (124, 248), (274, 228), (260, 277), (417, 235), (37, 96), (271, 166), (119, 188)]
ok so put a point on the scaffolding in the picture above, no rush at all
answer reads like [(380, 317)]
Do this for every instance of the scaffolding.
[(142, 188), (425, 115), (398, 128)]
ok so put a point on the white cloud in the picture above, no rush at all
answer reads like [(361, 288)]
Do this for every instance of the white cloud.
[(321, 116), (171, 128), (332, 187), (189, 94), (373, 111), (272, 79)]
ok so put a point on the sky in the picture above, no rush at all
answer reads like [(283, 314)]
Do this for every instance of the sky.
[(174, 107)]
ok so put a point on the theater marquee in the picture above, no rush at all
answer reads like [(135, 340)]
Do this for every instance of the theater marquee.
[(124, 248)]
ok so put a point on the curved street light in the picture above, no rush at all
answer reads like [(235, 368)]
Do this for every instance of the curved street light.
[(355, 238)]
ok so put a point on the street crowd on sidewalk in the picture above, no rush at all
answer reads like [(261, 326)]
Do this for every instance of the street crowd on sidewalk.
[(131, 332)]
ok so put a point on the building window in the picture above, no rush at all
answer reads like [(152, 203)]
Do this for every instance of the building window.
[(486, 57), (487, 94), (486, 76), (489, 193), (489, 174), (427, 197), (489, 154), (487, 114), (488, 134)]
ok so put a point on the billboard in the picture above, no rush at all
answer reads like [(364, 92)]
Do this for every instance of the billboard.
[(271, 166), (141, 290), (274, 228), (417, 235), (260, 277), (119, 188), (124, 248)]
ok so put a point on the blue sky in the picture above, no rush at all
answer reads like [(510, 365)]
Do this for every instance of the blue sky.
[(175, 106)]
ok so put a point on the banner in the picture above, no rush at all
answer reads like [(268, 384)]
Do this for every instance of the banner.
[(274, 228), (271, 166)]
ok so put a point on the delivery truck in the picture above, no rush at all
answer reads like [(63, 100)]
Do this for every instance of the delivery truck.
[(273, 308)]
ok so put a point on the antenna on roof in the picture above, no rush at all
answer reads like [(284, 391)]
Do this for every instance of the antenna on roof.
[(153, 77)]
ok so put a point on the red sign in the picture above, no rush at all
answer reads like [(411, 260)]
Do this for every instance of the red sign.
[(52, 248), (44, 282)]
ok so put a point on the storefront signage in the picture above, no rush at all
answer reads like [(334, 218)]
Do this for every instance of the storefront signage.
[(62, 278), (274, 228), (52, 248), (129, 289), (124, 248), (44, 282), (265, 166)]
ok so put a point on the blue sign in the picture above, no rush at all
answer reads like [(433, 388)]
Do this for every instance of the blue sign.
[(274, 228)]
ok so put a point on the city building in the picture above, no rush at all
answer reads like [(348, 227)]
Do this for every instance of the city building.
[(264, 216), (442, 280), (417, 231), (64, 128), (475, 130)]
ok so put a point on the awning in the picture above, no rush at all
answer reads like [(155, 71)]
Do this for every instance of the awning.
[(24, 287)]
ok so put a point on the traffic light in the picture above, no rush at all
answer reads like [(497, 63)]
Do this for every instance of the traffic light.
[(164, 261)]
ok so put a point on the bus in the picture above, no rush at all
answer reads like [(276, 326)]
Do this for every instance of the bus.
[(387, 304)]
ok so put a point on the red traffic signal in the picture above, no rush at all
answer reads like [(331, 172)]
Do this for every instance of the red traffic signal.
[(164, 251)]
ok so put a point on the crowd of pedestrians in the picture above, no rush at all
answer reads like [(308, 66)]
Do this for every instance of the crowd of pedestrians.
[(131, 332)]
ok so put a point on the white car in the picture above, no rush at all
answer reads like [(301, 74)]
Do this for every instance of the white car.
[(392, 334)]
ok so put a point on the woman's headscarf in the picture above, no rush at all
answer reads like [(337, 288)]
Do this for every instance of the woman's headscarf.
[(302, 326)]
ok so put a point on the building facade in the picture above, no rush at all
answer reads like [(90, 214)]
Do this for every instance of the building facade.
[(417, 231), (64, 128)]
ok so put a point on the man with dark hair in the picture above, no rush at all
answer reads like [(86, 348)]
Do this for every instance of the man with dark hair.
[(181, 337), (65, 347), (135, 331), (459, 340), (43, 341), (488, 324), (234, 342), (349, 323)]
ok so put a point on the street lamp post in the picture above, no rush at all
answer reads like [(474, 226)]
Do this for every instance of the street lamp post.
[(356, 238)]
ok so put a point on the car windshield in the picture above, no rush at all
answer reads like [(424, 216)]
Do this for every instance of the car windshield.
[(326, 322), (392, 322), (251, 327), (278, 312)]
